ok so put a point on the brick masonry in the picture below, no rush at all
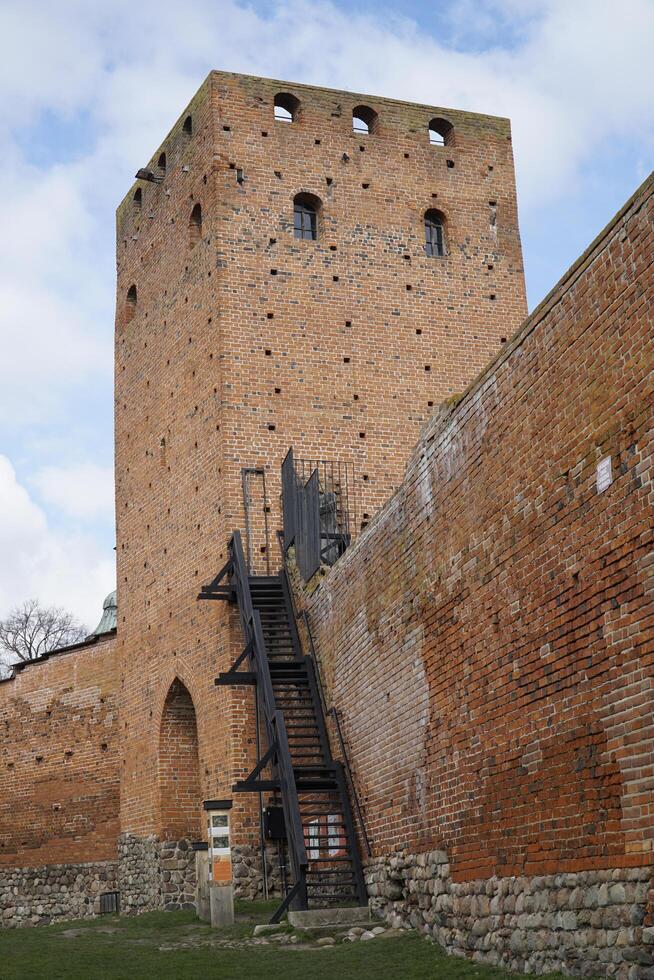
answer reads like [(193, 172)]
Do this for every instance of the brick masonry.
[(243, 340), (488, 641), (59, 783)]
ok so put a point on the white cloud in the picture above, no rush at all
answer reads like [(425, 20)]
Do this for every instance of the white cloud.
[(83, 491), (575, 78), (67, 570)]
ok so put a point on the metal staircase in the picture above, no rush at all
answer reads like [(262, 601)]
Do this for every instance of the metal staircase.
[(304, 777)]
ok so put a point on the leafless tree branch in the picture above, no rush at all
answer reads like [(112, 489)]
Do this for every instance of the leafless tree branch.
[(31, 630)]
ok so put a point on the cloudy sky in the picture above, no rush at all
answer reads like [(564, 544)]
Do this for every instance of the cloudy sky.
[(88, 89)]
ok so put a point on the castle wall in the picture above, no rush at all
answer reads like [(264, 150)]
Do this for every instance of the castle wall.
[(488, 642), (222, 364), (59, 784)]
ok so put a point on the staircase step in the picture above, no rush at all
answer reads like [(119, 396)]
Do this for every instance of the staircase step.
[(316, 918), (334, 880)]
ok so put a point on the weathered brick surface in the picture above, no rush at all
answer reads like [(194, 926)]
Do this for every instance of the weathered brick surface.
[(489, 639), (59, 759), (222, 364)]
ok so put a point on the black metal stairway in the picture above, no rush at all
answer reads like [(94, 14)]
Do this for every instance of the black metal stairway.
[(306, 780)]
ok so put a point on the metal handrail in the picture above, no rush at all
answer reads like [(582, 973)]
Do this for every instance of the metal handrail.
[(323, 699), (274, 719), (334, 713)]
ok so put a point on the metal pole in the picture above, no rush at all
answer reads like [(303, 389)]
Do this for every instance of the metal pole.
[(261, 834)]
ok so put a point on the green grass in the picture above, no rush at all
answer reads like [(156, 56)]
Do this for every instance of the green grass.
[(132, 952)]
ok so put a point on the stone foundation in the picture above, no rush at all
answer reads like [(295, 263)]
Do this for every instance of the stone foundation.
[(149, 875), (589, 924), (155, 874), (37, 896), (248, 875)]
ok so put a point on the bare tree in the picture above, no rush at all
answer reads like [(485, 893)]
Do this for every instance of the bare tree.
[(30, 631)]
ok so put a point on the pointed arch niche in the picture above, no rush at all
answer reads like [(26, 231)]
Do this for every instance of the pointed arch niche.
[(180, 799)]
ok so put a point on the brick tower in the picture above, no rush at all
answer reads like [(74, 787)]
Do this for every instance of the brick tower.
[(236, 339)]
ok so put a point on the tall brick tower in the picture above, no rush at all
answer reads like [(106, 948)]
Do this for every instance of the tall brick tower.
[(236, 339)]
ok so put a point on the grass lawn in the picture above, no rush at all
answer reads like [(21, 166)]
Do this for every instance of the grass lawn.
[(131, 949)]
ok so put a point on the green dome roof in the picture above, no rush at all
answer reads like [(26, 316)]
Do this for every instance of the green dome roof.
[(109, 616)]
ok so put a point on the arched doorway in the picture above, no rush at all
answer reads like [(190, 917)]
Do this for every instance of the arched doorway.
[(179, 767)]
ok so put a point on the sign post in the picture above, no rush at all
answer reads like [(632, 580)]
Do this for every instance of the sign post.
[(221, 891)]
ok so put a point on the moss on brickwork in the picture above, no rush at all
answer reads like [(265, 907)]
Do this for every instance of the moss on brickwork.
[(489, 641)]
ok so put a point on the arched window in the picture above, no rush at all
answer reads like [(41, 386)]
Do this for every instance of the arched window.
[(130, 303), (434, 233), (305, 216), (286, 107), (161, 164), (137, 200), (187, 128), (441, 132), (180, 795), (195, 226), (364, 119)]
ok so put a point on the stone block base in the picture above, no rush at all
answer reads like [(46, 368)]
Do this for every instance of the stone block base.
[(592, 923), (248, 875), (55, 892), (154, 874), (149, 875)]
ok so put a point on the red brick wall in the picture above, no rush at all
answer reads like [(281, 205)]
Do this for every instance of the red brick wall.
[(222, 364), (59, 759), (489, 640), (179, 776)]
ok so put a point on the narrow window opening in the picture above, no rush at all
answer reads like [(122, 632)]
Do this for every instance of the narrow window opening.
[(305, 216), (195, 226), (434, 233), (130, 304), (161, 164), (286, 107), (137, 200), (364, 120), (441, 132), (187, 128)]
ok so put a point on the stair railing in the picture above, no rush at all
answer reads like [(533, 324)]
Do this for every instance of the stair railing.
[(275, 727), (326, 710)]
